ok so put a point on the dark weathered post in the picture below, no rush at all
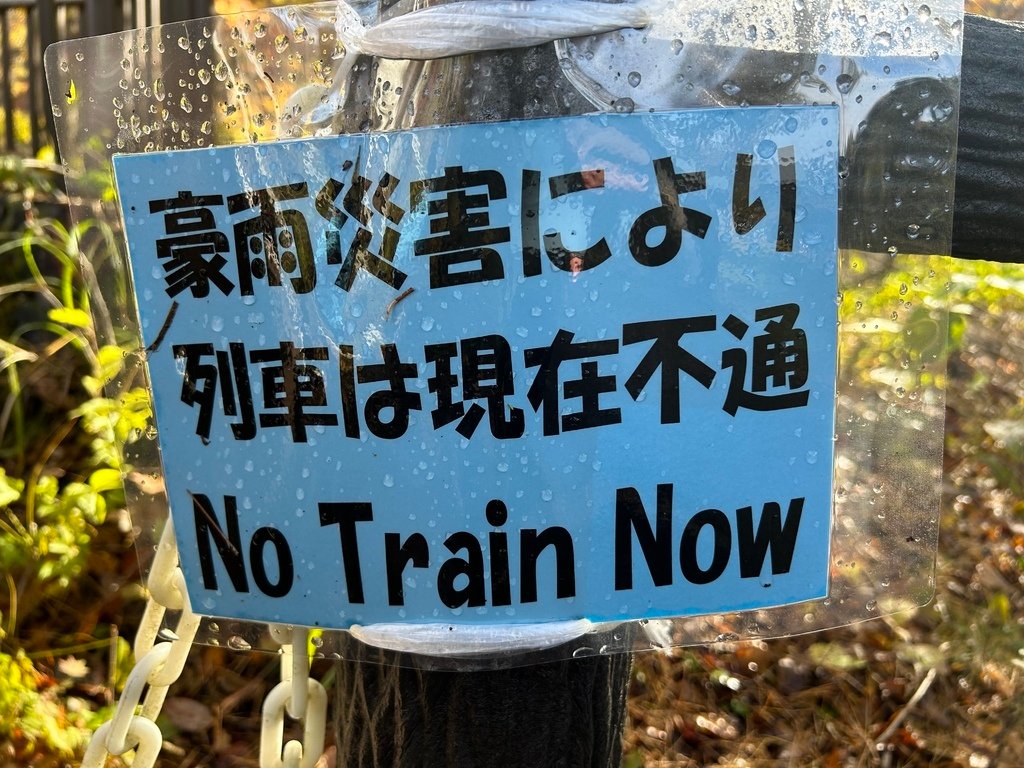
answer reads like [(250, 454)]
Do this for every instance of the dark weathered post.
[(563, 714), (569, 713), (183, 10), (990, 163)]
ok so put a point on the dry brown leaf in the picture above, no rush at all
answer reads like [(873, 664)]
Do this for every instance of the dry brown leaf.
[(188, 714)]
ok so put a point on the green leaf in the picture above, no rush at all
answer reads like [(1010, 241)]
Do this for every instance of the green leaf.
[(70, 316), (103, 480), (740, 707), (999, 606), (834, 656), (10, 489), (110, 361), (123, 661)]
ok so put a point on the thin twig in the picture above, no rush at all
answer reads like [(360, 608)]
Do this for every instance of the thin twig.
[(404, 295), (214, 525), (37, 469), (914, 700), (164, 328)]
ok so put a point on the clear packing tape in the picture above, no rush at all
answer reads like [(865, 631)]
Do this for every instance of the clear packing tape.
[(370, 69)]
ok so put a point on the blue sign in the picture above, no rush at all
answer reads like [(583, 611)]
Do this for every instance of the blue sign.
[(514, 372)]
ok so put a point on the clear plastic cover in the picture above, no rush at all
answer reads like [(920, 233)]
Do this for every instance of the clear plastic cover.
[(891, 75)]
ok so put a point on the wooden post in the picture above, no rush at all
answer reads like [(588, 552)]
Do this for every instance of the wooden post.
[(570, 713)]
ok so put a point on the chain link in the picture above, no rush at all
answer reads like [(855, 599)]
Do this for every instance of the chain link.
[(146, 739), (305, 754), (294, 665), (301, 698), (158, 665)]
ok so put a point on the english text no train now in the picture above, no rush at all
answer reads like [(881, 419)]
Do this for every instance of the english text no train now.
[(473, 572)]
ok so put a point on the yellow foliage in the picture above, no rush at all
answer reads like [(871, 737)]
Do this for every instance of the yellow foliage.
[(999, 9)]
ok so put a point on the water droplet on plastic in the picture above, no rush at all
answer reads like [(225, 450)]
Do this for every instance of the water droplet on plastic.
[(731, 88), (624, 105), (766, 148), (677, 46), (186, 105), (634, 79), (427, 323), (913, 230), (183, 43), (389, 481), (942, 111), (871, 605), (546, 494), (844, 83), (791, 125), (239, 643)]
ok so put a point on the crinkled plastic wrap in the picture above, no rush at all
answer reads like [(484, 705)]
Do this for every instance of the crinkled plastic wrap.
[(890, 74)]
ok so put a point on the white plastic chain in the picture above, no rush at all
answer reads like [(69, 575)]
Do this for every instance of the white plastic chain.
[(159, 664), (301, 697)]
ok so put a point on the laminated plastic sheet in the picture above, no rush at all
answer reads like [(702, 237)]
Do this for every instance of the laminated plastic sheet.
[(603, 334)]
